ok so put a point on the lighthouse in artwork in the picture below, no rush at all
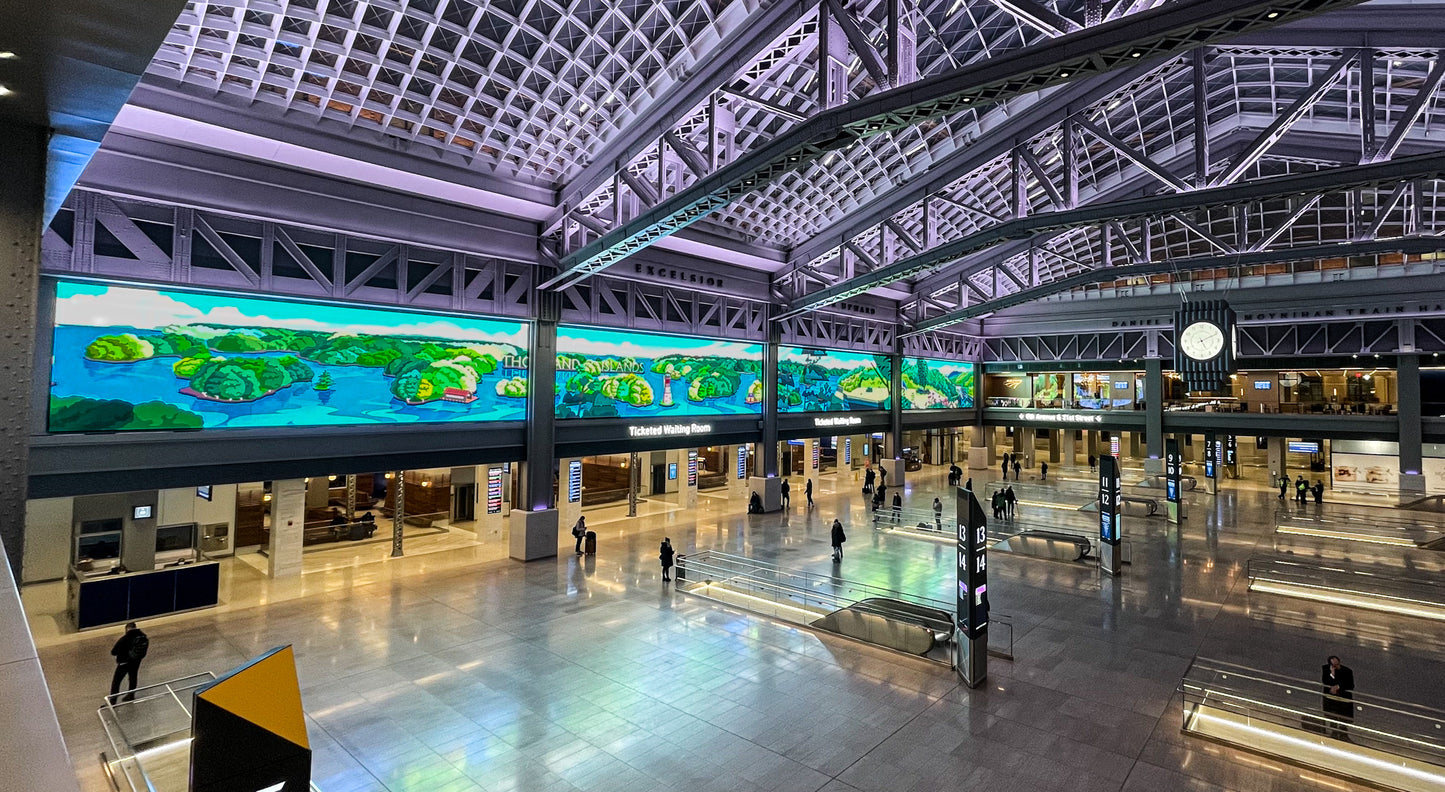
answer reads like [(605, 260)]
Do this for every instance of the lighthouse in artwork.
[(666, 391)]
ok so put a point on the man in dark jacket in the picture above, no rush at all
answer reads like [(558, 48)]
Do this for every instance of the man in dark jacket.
[(808, 490), (1338, 682), (838, 539), (897, 506), (787, 502), (129, 651)]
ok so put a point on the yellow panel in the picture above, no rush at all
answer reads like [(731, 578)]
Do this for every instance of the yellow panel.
[(266, 693)]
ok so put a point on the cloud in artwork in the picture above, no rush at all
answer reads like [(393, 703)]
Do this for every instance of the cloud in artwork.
[(153, 310)]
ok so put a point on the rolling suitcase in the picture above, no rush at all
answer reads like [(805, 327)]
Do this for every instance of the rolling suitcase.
[(589, 544)]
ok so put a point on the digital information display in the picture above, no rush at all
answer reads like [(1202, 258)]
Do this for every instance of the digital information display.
[(1110, 493), (691, 468), (672, 471), (1209, 455), (1304, 447), (972, 567), (1231, 450), (1171, 469), (130, 358), (574, 481), (494, 490), (817, 455), (848, 451), (1114, 446), (742, 462)]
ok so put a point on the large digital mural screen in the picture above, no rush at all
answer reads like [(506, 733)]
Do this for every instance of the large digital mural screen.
[(621, 374), (937, 384), (129, 358), (826, 380)]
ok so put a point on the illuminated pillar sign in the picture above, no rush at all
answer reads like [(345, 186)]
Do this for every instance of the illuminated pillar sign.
[(848, 451), (742, 462), (1114, 445), (1110, 493), (972, 568), (494, 490), (815, 454), (574, 481), (1210, 457), (692, 467), (1171, 469), (1231, 450)]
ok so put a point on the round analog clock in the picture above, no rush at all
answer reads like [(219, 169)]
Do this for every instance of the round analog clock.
[(1201, 340)]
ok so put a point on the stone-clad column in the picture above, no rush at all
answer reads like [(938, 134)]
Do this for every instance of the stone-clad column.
[(22, 212)]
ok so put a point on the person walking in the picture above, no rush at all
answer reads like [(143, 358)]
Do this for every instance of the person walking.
[(580, 531), (808, 490), (787, 501), (1300, 486), (867, 479), (128, 652), (1010, 502), (838, 539), (1283, 486), (1093, 462), (968, 485), (665, 554), (996, 501), (897, 507), (1017, 467), (1043, 471), (938, 514), (1338, 682), (1319, 492), (1004, 467)]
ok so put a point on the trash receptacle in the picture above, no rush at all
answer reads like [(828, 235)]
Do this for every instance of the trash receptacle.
[(589, 544)]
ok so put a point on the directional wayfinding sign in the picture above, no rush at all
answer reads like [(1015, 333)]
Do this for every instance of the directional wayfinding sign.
[(1172, 476), (1231, 451), (971, 644), (1110, 531)]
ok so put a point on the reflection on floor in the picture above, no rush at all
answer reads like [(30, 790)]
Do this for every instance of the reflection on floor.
[(461, 671)]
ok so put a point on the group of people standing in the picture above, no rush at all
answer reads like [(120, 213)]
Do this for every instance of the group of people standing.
[(1011, 460), (1302, 489), (1004, 503)]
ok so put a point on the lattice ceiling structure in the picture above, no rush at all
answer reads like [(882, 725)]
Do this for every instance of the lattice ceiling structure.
[(540, 91)]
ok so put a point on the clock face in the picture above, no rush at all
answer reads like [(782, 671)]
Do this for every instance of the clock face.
[(1202, 340)]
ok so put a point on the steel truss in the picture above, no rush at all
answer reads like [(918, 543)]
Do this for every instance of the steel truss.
[(97, 235), (1314, 338), (1145, 36)]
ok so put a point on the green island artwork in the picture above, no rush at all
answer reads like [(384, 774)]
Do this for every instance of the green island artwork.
[(188, 371), (937, 384), (821, 380), (661, 377)]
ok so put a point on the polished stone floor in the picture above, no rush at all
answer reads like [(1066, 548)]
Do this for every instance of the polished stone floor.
[(460, 670)]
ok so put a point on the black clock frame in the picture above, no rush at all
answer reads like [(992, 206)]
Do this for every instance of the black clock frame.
[(1212, 374)]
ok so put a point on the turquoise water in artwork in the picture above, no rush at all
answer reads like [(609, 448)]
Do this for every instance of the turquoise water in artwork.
[(358, 395), (572, 406)]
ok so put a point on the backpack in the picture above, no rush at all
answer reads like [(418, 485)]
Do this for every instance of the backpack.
[(136, 652)]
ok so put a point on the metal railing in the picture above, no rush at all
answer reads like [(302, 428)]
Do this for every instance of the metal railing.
[(803, 597), (1349, 585), (1261, 699), (144, 721)]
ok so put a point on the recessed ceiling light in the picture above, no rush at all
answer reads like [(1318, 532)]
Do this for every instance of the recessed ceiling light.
[(7, 55), (5, 91)]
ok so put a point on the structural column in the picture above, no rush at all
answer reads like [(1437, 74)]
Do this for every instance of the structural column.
[(22, 214), (1055, 452), (1412, 472), (1071, 450), (1154, 416), (1277, 461), (288, 515), (533, 524), (980, 440), (764, 480)]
